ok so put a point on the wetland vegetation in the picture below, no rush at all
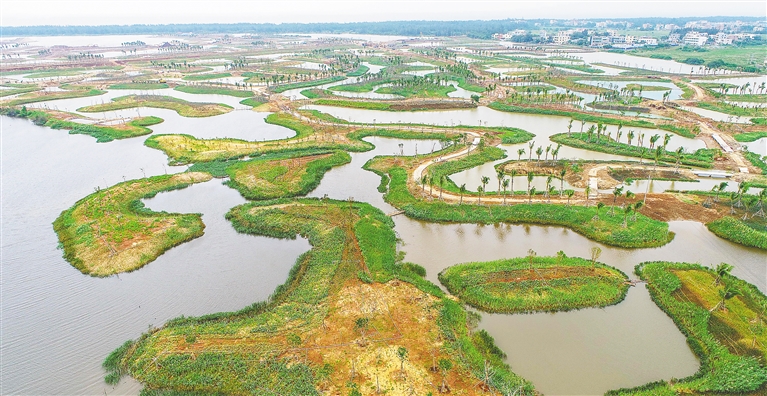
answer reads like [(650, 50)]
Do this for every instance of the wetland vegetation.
[(180, 106)]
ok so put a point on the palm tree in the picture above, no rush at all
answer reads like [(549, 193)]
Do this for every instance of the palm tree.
[(596, 251), (678, 154), (520, 153), (538, 152), (588, 192), (637, 205), (725, 294), (431, 183), (499, 173), (616, 193), (529, 180), (562, 174), (548, 149), (480, 190), (600, 205), (722, 187), (630, 137), (530, 146), (531, 193), (569, 193), (582, 124), (760, 203), (666, 139), (722, 270), (552, 190), (505, 185), (484, 181), (424, 180), (569, 127), (733, 197), (513, 174), (462, 190), (441, 184), (590, 132), (653, 140), (626, 212)]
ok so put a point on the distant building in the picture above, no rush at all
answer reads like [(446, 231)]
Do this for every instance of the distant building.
[(722, 38), (695, 38), (561, 38), (674, 38), (600, 41)]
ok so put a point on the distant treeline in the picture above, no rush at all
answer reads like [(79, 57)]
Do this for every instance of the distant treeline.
[(478, 29)]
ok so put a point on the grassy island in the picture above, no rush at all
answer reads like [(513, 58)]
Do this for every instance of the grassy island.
[(283, 175), (347, 306), (743, 232), (133, 128), (397, 106), (44, 96), (206, 76), (534, 284), (210, 90), (723, 318), (703, 158), (110, 231), (140, 85), (605, 228), (306, 84), (180, 106)]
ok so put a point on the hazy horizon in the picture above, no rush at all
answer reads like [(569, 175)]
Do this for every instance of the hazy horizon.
[(120, 12)]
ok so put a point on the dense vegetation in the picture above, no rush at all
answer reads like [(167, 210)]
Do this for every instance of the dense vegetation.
[(532, 284), (723, 319), (139, 85), (607, 229), (213, 90), (44, 96), (303, 339), (206, 76), (110, 231), (739, 231), (306, 84), (180, 106)]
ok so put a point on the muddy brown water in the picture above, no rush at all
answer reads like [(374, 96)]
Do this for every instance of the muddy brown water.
[(58, 324)]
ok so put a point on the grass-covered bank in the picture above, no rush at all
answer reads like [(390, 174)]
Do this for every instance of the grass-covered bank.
[(213, 90), (180, 106), (397, 106), (140, 85), (703, 158), (321, 325), (605, 228), (103, 134), (534, 284), (723, 319), (110, 231), (739, 231), (44, 96), (307, 84), (283, 175)]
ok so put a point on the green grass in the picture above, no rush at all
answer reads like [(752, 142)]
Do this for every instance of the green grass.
[(722, 339), (740, 56), (644, 232), (103, 134), (364, 86), (208, 90), (578, 116), (703, 157), (759, 121), (311, 93), (180, 106), (474, 159), (17, 89), (737, 231), (756, 160), (420, 91), (283, 175), (110, 231), (306, 84), (40, 96), (687, 92), (252, 102), (583, 68), (139, 85), (253, 350), (207, 76), (733, 109), (394, 106), (750, 136), (547, 284), (362, 69)]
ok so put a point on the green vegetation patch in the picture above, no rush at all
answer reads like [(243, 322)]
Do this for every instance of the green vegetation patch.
[(210, 90), (139, 85), (283, 175), (103, 134), (734, 110), (723, 319), (756, 160), (702, 157), (750, 136), (44, 96), (396, 106), (535, 284), (180, 106), (16, 89), (206, 76), (362, 69), (306, 84), (110, 231), (572, 114), (421, 91), (607, 229), (739, 231), (252, 102), (259, 349)]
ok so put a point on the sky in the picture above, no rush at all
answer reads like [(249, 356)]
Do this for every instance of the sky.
[(126, 12)]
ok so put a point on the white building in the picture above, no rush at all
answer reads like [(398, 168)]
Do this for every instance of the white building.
[(561, 38), (722, 38), (695, 38)]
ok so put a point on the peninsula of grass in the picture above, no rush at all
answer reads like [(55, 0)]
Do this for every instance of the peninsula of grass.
[(732, 109), (110, 231), (420, 91), (180, 106), (16, 89), (139, 85), (319, 326), (571, 84), (210, 90), (535, 284), (205, 76), (739, 231), (252, 102), (703, 158), (462, 82), (637, 87), (283, 175), (756, 160), (364, 86), (723, 319), (575, 115), (362, 69), (474, 159), (605, 228), (44, 96), (746, 137), (307, 84), (186, 149), (313, 93), (581, 68), (397, 106), (103, 134)]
